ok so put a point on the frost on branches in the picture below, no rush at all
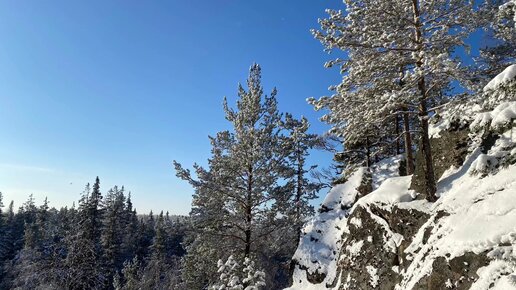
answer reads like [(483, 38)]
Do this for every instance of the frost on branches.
[(230, 272), (399, 61)]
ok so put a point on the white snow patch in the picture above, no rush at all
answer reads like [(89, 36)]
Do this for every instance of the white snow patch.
[(500, 117), (499, 273), (391, 191), (507, 75), (356, 222), (354, 249), (320, 244), (473, 203), (385, 169), (373, 274)]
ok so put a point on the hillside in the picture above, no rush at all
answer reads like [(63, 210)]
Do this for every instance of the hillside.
[(375, 232)]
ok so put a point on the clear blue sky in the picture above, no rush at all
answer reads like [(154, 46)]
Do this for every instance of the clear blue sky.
[(119, 89)]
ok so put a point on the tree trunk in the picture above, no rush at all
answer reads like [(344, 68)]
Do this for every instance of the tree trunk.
[(408, 143), (431, 187), (248, 214), (368, 153), (423, 113), (398, 147)]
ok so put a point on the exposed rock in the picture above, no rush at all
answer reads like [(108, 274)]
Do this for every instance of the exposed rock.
[(448, 150), (374, 252), (458, 273), (391, 243)]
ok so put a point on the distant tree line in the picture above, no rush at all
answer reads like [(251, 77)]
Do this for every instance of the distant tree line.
[(100, 244)]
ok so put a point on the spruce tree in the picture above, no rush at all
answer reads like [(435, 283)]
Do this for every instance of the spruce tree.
[(84, 258), (112, 231)]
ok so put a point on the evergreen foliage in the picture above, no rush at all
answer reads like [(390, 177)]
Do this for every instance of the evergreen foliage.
[(255, 193), (91, 247)]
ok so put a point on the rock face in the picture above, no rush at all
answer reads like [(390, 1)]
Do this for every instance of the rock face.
[(389, 239), (365, 248), (448, 150)]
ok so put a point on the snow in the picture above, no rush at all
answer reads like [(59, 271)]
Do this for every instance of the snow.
[(459, 114), (320, 244), (499, 273), (354, 249), (385, 169), (356, 222), (391, 191), (473, 201), (509, 74), (344, 194), (373, 273), (499, 118), (488, 205)]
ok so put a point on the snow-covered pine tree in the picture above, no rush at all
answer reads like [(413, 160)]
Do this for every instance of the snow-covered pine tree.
[(299, 189), (254, 279), (154, 272), (32, 266), (130, 239), (232, 207), (228, 275), (379, 38), (503, 85), (498, 19), (161, 271), (130, 273)]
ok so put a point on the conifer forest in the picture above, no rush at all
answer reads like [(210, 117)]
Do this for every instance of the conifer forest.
[(418, 190)]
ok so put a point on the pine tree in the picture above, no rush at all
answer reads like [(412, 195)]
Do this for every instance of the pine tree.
[(130, 274), (254, 278), (130, 231), (380, 37), (299, 189), (498, 19), (233, 205), (230, 273)]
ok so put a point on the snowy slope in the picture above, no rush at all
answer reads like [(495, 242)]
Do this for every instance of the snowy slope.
[(320, 244), (482, 217), (474, 219)]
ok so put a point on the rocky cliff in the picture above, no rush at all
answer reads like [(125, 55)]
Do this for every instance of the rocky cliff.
[(373, 232)]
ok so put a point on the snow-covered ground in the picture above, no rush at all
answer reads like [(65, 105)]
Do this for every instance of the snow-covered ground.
[(320, 244), (479, 198)]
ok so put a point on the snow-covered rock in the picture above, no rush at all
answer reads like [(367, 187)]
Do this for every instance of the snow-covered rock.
[(389, 239), (316, 256)]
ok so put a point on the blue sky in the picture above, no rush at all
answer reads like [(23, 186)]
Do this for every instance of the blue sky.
[(119, 89)]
